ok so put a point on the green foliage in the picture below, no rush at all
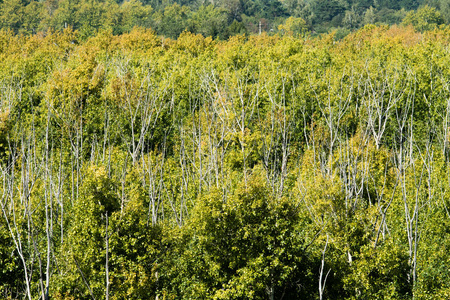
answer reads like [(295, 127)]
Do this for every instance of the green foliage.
[(84, 251), (246, 245), (380, 273), (236, 28), (293, 26), (425, 18), (11, 275), (325, 11), (208, 21), (138, 166), (136, 248), (171, 18), (433, 269)]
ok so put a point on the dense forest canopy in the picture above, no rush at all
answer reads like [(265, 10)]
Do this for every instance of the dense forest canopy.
[(136, 166), (219, 19)]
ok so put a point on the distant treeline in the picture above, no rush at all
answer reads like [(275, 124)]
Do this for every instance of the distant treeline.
[(218, 19)]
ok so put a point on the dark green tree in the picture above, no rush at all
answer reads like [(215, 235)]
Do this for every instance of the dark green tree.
[(247, 245), (425, 18)]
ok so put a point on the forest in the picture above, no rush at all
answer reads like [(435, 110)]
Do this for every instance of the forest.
[(217, 18), (263, 166)]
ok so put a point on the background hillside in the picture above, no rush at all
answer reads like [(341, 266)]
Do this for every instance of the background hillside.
[(219, 19)]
